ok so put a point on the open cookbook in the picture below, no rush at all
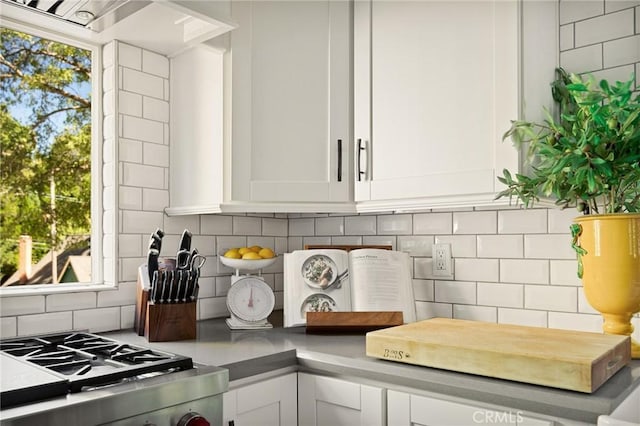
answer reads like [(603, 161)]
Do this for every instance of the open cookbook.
[(330, 280)]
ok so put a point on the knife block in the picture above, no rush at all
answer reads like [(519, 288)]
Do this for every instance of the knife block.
[(167, 322), (162, 322)]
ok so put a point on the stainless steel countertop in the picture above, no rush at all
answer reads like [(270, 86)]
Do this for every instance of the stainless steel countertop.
[(252, 352)]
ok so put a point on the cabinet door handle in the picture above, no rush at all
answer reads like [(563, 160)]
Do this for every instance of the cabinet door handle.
[(339, 160), (359, 172)]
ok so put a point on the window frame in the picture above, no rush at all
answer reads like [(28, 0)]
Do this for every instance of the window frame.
[(98, 234)]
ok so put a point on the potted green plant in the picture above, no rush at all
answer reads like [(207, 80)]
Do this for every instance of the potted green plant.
[(588, 156)]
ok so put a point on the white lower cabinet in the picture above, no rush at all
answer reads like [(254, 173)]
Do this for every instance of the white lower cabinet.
[(334, 402), (271, 402), (404, 409)]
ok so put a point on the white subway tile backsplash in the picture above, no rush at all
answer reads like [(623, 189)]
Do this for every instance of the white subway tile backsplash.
[(330, 226), (416, 245), (584, 59), (455, 292), (461, 245), (130, 245), (142, 176), (395, 224), (380, 240), (527, 271), (127, 316), (307, 241), (529, 221), (139, 222), (478, 222), (475, 313), (129, 103), (551, 298), (274, 227), (97, 320), (604, 27), (144, 84), (244, 225), (129, 56), (504, 295), (155, 109), (564, 272), (622, 51), (130, 150), (476, 269), (155, 199), (576, 10), (522, 317), (156, 64), (500, 246), (423, 267), (155, 155), (561, 220), (615, 5), (423, 290), (70, 301), (426, 310), (44, 323), (207, 287), (621, 73), (432, 223), (125, 294), (550, 246), (216, 225), (579, 322), (23, 305), (360, 225), (348, 240), (8, 327), (177, 224), (213, 307), (301, 227), (566, 37), (130, 198), (142, 129), (222, 285)]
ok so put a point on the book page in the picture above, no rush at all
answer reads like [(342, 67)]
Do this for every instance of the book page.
[(381, 281), (315, 280)]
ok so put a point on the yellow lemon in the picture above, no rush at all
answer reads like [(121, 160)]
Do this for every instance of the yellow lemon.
[(243, 250), (255, 249), (251, 255), (232, 254), (266, 253)]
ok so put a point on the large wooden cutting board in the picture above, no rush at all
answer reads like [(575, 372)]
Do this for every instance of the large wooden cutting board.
[(564, 359)]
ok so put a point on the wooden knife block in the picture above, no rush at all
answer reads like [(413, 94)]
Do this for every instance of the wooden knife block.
[(162, 322), (170, 321)]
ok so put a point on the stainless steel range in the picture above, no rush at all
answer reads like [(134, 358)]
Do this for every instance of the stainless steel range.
[(86, 379)]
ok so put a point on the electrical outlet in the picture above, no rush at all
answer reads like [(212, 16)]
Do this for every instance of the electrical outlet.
[(442, 265)]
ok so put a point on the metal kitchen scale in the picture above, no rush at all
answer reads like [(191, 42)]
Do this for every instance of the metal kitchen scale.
[(250, 300)]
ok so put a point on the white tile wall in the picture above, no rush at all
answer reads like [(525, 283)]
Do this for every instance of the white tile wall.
[(604, 27)]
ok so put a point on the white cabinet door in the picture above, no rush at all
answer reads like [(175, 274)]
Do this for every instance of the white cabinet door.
[(435, 87), (196, 141), (335, 402), (291, 102), (268, 403), (405, 409)]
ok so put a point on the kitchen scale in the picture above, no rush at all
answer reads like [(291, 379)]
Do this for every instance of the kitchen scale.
[(250, 300)]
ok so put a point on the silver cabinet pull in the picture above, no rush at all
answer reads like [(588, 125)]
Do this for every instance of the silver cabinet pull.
[(360, 148)]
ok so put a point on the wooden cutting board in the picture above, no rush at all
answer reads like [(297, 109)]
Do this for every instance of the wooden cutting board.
[(564, 359)]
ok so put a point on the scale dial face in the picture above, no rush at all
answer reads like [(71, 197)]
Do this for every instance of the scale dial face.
[(250, 299)]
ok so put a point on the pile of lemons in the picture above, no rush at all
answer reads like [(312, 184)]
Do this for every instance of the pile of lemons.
[(250, 253)]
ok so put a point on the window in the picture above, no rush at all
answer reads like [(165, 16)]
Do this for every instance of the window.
[(47, 148)]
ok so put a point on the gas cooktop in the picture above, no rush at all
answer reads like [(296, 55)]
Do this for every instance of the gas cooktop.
[(74, 362)]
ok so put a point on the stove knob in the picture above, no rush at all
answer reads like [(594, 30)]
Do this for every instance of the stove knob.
[(193, 419)]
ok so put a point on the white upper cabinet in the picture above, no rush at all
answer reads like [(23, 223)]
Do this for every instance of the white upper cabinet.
[(196, 129), (290, 143), (435, 87)]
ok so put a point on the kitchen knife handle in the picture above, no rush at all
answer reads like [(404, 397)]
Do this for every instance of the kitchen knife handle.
[(339, 160), (359, 150)]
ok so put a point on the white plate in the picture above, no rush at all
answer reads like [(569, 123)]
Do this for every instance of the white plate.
[(247, 264)]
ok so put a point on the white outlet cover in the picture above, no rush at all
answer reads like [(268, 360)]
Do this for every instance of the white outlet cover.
[(441, 255)]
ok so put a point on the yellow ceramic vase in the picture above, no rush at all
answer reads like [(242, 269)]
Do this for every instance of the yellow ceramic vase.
[(611, 265)]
